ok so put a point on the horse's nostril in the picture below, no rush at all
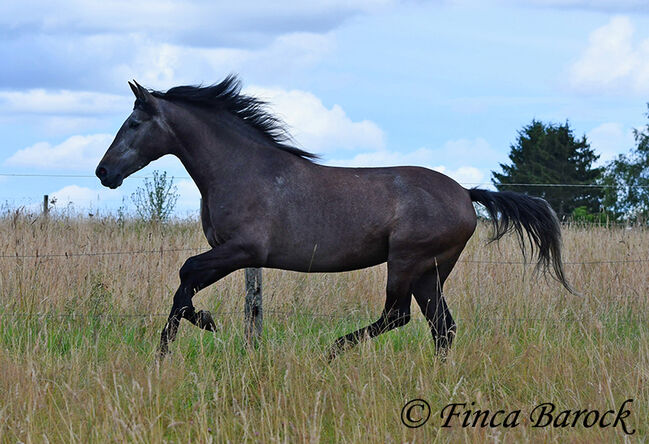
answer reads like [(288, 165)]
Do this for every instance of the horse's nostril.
[(101, 172)]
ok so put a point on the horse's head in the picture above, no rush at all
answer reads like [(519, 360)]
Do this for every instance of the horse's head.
[(143, 137)]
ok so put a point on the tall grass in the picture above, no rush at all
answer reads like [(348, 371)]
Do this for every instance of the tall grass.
[(78, 336)]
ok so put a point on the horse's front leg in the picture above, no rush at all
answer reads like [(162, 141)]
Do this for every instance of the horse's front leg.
[(197, 273)]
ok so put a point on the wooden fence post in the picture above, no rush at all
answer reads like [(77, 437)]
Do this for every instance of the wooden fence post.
[(46, 205), (253, 312)]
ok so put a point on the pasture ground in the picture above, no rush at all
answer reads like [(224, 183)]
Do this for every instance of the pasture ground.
[(78, 336)]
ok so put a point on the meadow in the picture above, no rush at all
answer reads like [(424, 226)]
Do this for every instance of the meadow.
[(79, 331)]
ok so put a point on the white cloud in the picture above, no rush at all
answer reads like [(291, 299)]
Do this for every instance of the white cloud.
[(613, 61), (596, 5), (40, 101), (74, 153), (316, 127), (468, 175), (82, 197), (451, 153), (162, 65), (195, 23), (380, 158), (106, 62), (610, 139), (478, 150), (464, 175), (89, 45), (60, 126), (450, 159)]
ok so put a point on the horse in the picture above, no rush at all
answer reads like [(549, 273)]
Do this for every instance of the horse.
[(268, 203)]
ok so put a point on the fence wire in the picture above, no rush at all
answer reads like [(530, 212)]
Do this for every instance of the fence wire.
[(295, 313), (349, 317), (139, 176), (162, 251)]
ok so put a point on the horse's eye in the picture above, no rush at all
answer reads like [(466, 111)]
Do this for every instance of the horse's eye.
[(133, 123)]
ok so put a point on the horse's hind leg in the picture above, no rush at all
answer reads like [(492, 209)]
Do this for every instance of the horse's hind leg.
[(396, 312), (428, 294)]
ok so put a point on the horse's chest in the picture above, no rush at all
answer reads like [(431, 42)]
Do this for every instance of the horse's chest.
[(211, 233), (211, 236)]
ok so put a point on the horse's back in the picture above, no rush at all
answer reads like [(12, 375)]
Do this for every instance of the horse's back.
[(409, 201), (334, 219)]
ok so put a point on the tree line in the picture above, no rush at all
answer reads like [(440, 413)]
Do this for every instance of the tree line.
[(548, 153)]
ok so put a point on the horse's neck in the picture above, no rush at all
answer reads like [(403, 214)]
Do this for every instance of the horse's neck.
[(218, 152)]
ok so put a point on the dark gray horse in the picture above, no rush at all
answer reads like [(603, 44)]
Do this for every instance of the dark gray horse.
[(267, 204)]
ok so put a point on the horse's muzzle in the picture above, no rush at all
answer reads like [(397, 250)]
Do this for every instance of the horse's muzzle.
[(107, 179)]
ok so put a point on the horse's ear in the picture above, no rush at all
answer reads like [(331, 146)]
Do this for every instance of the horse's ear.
[(134, 89), (143, 93), (144, 98)]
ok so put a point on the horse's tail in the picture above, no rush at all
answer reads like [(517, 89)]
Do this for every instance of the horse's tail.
[(518, 212)]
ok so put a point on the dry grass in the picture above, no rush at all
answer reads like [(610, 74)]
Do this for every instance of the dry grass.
[(86, 373)]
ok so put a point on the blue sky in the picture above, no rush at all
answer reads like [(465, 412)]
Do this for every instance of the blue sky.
[(442, 84)]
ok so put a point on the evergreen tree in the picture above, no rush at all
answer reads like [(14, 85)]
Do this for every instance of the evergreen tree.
[(627, 178), (550, 154)]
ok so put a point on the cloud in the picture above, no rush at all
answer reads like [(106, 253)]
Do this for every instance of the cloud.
[(610, 139), (465, 175), (82, 197), (468, 175), (316, 127), (478, 150), (593, 5), (449, 159), (99, 45), (191, 23), (383, 157), (74, 153), (40, 101), (453, 152), (106, 62), (61, 126), (613, 61), (161, 65)]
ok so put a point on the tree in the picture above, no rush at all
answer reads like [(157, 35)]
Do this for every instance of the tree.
[(627, 180), (157, 199), (550, 154)]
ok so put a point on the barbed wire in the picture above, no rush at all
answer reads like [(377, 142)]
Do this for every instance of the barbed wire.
[(168, 250), (96, 253), (295, 313), (77, 176), (620, 261), (566, 185), (136, 176)]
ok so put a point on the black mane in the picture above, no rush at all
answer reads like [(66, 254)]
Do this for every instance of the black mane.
[(227, 95)]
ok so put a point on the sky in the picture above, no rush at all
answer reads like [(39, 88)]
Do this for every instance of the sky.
[(442, 84)]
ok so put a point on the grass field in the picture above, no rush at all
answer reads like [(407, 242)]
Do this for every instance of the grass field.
[(78, 336)]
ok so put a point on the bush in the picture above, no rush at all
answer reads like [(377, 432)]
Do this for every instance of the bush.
[(156, 200)]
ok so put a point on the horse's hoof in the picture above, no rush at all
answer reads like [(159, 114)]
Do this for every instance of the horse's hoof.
[(205, 320), (442, 354), (163, 351)]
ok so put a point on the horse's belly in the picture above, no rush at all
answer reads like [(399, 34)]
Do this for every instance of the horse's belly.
[(327, 257)]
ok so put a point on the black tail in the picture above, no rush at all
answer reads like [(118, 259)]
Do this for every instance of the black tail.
[(533, 216)]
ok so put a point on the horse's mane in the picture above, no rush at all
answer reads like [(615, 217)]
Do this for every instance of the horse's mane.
[(227, 95)]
